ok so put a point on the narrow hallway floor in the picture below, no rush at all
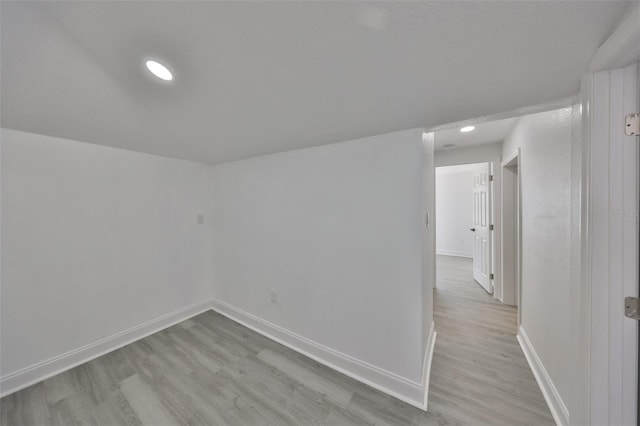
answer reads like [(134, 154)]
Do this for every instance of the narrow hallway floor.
[(479, 374)]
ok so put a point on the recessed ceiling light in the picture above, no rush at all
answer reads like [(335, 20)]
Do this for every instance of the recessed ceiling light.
[(159, 70), (466, 129)]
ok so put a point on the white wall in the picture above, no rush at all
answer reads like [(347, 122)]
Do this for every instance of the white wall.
[(337, 231), (454, 209), (545, 174), (101, 245), (95, 240)]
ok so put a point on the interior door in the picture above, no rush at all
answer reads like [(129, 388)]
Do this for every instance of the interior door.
[(481, 230)]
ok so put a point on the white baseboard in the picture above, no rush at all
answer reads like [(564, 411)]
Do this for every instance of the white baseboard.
[(551, 395), (399, 387), (404, 389), (426, 365), (454, 253), (35, 373)]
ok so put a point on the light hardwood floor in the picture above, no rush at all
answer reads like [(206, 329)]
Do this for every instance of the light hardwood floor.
[(210, 370), (479, 374)]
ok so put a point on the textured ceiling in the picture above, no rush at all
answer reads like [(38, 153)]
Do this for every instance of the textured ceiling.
[(261, 77), (488, 132)]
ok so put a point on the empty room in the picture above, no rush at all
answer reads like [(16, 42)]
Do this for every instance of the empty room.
[(319, 213)]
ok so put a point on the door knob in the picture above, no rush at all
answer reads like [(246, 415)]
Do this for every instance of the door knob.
[(472, 229)]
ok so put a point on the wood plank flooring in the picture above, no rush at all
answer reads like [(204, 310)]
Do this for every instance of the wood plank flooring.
[(479, 374), (210, 370)]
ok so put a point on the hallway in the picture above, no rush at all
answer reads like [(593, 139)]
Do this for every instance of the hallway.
[(479, 373)]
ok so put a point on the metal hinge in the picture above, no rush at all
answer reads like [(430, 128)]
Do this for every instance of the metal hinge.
[(632, 307), (632, 124), (490, 178), (490, 227), (491, 276)]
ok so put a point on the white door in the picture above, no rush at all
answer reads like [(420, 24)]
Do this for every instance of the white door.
[(480, 229)]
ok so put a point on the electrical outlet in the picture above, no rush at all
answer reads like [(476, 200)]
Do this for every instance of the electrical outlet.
[(200, 219), (274, 295)]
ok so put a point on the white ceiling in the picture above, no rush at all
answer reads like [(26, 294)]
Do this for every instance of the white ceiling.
[(261, 77), (489, 132)]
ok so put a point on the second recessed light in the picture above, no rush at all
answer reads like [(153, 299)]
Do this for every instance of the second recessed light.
[(467, 129), (159, 70)]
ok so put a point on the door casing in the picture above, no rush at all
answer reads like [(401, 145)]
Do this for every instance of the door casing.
[(511, 232)]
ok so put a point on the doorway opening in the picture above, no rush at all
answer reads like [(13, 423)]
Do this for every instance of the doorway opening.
[(465, 222), (476, 316)]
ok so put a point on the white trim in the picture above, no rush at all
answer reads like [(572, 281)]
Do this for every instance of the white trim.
[(511, 247), (551, 395), (404, 389), (428, 360), (35, 373), (496, 234), (622, 47), (511, 158), (454, 253), (581, 282)]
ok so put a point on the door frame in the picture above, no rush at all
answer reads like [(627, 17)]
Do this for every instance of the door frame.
[(512, 232), (589, 371), (611, 252), (605, 347), (495, 210)]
